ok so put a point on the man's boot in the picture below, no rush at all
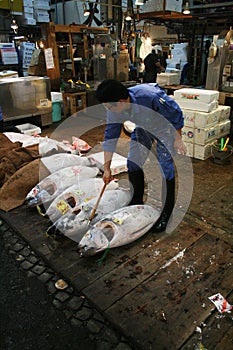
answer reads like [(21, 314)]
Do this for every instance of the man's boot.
[(136, 179), (169, 203)]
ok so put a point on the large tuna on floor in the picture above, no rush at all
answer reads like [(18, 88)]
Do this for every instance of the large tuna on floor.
[(118, 228), (59, 161), (73, 196), (50, 187), (76, 224)]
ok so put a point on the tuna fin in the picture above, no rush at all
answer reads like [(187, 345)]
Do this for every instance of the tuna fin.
[(40, 210)]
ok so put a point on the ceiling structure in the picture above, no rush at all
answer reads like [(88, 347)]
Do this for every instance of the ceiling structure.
[(210, 16)]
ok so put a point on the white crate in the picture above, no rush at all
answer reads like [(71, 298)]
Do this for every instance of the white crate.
[(29, 129)]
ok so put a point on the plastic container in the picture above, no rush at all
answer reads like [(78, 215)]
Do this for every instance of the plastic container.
[(222, 157), (29, 129), (56, 111)]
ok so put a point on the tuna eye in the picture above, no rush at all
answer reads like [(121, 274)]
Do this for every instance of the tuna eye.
[(50, 189), (76, 212), (71, 201), (108, 231)]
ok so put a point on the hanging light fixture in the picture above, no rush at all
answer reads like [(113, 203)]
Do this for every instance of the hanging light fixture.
[(128, 16), (86, 12), (14, 25), (139, 2), (186, 10)]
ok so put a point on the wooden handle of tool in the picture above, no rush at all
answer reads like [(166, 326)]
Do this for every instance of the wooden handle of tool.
[(97, 203)]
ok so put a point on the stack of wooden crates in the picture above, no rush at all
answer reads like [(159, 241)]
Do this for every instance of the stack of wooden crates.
[(205, 122)]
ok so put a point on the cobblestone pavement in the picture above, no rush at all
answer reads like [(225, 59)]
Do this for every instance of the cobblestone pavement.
[(77, 325)]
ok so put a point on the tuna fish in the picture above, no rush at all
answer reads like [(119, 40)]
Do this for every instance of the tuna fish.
[(76, 224), (59, 161), (51, 186), (73, 196), (118, 228)]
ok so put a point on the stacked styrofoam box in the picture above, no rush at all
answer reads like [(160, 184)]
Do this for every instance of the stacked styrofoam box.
[(26, 50), (8, 53), (28, 13), (41, 8), (202, 129), (168, 79), (197, 99)]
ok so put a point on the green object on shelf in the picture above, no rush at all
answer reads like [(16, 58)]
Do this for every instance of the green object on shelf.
[(56, 111)]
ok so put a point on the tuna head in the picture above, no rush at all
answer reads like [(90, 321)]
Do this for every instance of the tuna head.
[(40, 194), (97, 238)]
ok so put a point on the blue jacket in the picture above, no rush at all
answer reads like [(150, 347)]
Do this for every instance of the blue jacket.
[(151, 108)]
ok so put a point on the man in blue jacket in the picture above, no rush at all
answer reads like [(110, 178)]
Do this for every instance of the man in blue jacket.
[(157, 117)]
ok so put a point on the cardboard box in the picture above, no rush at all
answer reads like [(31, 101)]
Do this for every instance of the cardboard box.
[(29, 129)]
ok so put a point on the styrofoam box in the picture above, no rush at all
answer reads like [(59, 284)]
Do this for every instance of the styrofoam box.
[(118, 164), (203, 119), (188, 134), (198, 106), (224, 128), (198, 135), (56, 96), (223, 113), (29, 21), (197, 95), (168, 79), (189, 149), (27, 3), (203, 151), (28, 9), (29, 129), (203, 136), (189, 117)]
